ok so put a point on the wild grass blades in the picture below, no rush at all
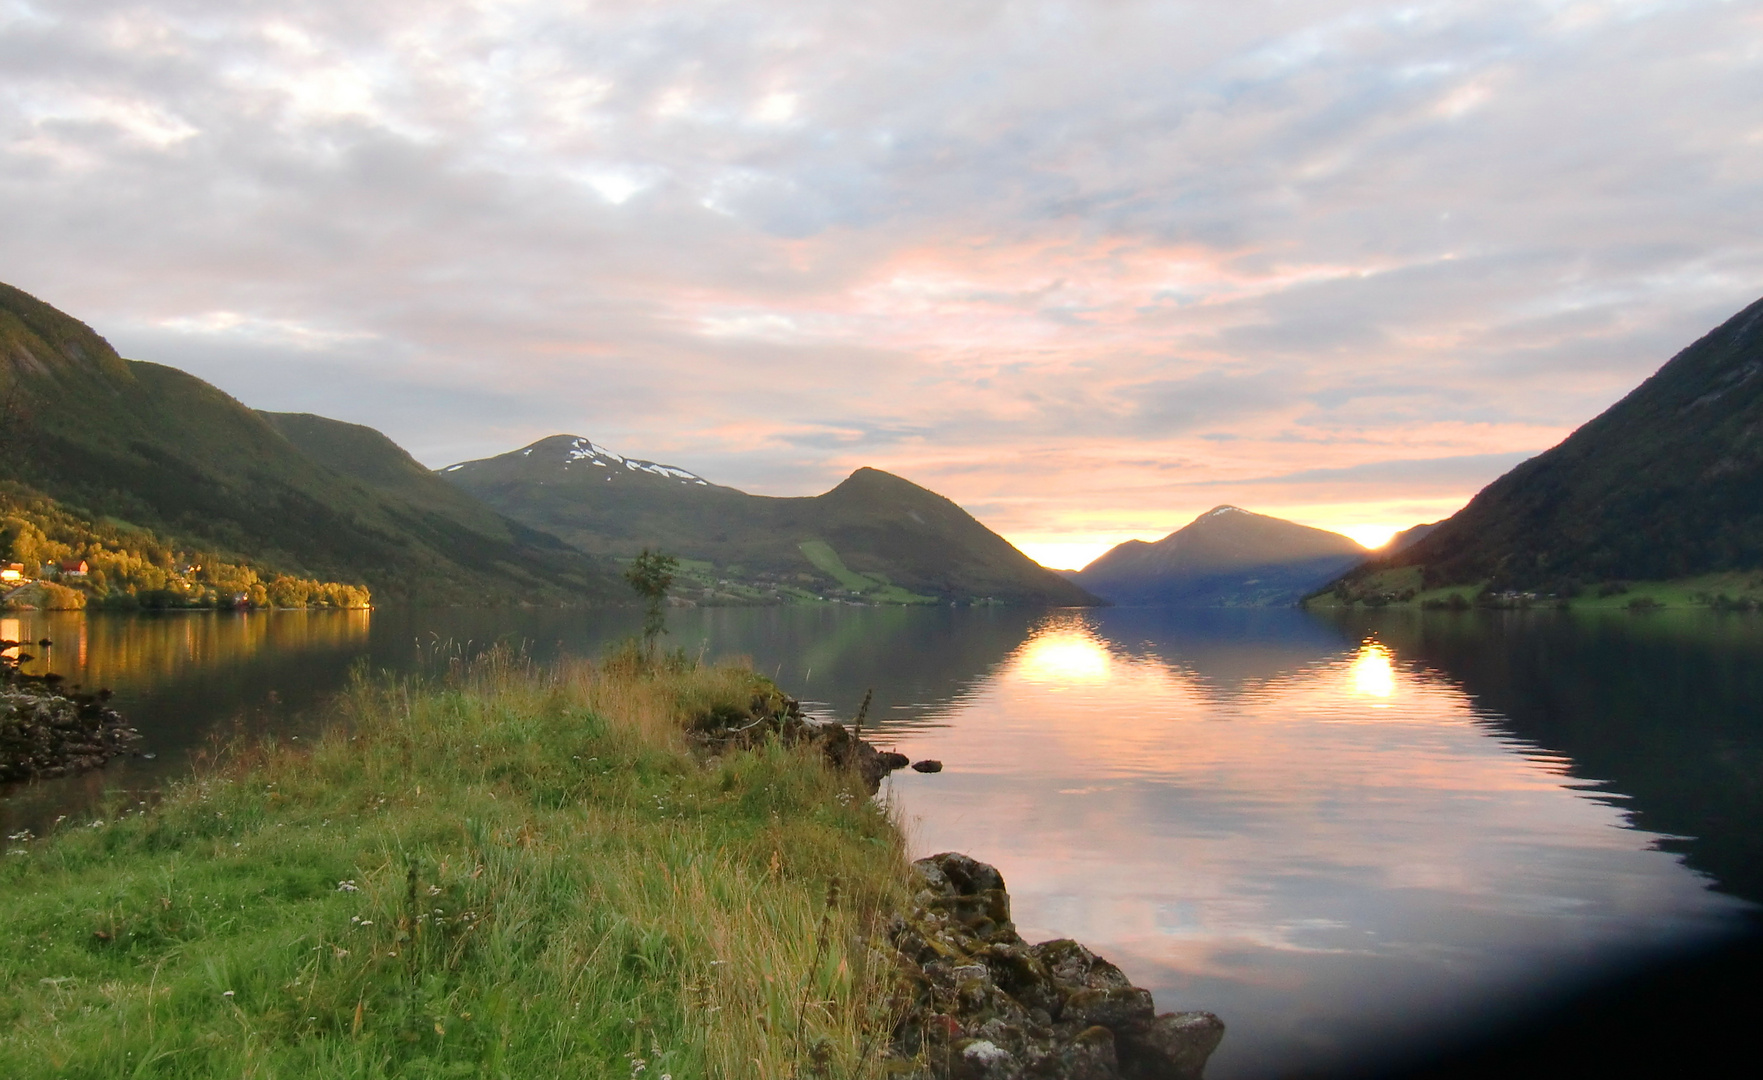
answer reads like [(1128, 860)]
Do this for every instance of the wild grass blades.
[(862, 713), (810, 982), (500, 870)]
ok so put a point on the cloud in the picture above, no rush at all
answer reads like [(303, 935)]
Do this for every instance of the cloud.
[(1088, 268), (1423, 476)]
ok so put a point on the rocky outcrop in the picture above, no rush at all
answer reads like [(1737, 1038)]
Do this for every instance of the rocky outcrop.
[(979, 1003), (773, 714), (45, 733), (985, 1005)]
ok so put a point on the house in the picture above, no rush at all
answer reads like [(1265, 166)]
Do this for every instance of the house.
[(74, 568), (12, 572)]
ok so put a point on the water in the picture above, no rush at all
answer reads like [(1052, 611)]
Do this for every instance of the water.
[(1351, 838)]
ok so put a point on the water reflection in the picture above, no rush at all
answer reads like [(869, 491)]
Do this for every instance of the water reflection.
[(1374, 674), (1059, 656), (188, 678), (1657, 714), (147, 652), (1343, 836), (1313, 834)]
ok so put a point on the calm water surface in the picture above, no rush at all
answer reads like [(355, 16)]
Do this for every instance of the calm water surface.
[(1350, 838)]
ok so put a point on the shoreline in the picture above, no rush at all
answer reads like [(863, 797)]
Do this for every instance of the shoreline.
[(577, 868)]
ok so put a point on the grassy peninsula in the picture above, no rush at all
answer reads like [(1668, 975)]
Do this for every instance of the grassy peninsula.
[(496, 871)]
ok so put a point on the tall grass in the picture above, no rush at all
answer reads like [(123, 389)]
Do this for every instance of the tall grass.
[(499, 872)]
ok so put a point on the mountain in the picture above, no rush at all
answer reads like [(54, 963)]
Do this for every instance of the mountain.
[(1407, 538), (875, 536), (1667, 483), (1226, 557), (150, 446)]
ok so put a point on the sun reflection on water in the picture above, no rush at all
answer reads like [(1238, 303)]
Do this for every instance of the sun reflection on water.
[(1064, 654), (1374, 673)]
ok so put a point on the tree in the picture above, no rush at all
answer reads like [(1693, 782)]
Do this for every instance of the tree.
[(651, 574)]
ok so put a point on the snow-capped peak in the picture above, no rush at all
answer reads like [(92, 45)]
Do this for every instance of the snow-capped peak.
[(583, 451)]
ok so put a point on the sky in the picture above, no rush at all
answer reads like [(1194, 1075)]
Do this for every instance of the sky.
[(1089, 269)]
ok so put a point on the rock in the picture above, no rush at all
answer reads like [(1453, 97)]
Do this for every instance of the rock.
[(1173, 1046), (988, 1059), (987, 1006), (1089, 1055), (773, 714), (45, 733), (928, 765), (1070, 963), (1116, 1007)]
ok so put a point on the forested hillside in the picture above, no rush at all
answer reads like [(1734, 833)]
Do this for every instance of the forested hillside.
[(158, 449), (131, 567), (1665, 484)]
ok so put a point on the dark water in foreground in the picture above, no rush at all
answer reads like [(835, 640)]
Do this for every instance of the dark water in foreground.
[(1354, 840)]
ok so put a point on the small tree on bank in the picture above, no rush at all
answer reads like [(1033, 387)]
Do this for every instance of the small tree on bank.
[(651, 575)]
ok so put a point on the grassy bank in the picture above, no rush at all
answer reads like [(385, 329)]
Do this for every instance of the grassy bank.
[(501, 872), (1402, 587)]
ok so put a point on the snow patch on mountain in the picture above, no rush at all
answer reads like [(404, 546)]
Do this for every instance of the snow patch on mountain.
[(584, 450)]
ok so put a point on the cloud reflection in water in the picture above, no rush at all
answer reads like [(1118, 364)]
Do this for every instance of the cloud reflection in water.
[(1218, 815)]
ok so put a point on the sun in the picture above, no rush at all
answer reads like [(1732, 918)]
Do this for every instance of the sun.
[(1372, 536)]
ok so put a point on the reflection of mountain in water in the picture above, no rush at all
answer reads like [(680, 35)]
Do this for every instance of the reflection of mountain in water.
[(181, 678), (919, 662), (1227, 652), (1662, 711), (149, 652)]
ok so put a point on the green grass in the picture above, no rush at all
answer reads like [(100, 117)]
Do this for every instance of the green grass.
[(870, 586), (1399, 587), (827, 561), (1700, 591), (507, 872)]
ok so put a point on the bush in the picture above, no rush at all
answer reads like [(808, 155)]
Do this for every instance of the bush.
[(61, 598)]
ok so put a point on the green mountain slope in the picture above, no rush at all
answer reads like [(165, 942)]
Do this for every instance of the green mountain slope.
[(385, 468), (1408, 537), (159, 448), (1667, 483), (875, 535), (1226, 557)]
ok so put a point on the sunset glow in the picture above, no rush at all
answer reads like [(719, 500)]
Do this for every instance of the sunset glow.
[(1088, 270), (1373, 536)]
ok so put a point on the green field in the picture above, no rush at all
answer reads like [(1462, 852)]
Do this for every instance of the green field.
[(870, 586), (1400, 587), (502, 872)]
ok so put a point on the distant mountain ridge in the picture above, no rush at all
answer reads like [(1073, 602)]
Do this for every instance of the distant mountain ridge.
[(152, 446), (1667, 483), (1226, 557), (874, 536)]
